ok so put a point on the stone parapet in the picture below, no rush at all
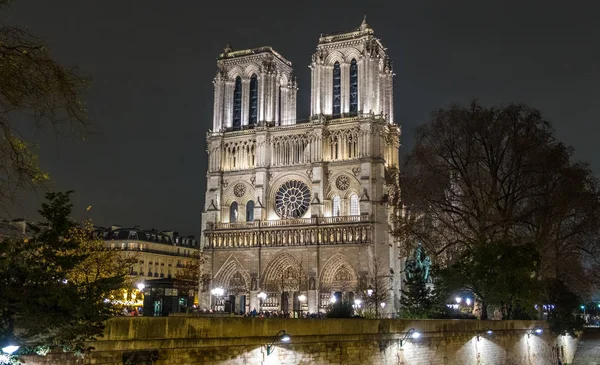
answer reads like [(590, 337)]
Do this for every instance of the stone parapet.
[(217, 340)]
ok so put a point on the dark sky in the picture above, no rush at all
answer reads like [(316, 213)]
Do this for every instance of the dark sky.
[(152, 64)]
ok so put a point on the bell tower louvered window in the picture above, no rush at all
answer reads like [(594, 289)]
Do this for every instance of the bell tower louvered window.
[(337, 90)]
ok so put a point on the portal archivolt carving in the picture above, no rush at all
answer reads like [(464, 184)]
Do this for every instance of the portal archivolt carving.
[(284, 273), (338, 274), (233, 277)]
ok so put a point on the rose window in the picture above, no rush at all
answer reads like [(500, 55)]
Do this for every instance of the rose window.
[(342, 182), (239, 190), (292, 199)]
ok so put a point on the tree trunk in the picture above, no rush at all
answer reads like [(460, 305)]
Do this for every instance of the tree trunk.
[(484, 310)]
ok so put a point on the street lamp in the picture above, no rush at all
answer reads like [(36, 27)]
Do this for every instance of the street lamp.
[(141, 286), (458, 299), (333, 299), (534, 331), (487, 331), (280, 336), (412, 333), (370, 291)]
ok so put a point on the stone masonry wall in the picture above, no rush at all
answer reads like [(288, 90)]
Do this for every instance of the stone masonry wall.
[(222, 340)]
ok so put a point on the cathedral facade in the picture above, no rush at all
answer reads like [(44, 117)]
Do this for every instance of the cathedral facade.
[(293, 207)]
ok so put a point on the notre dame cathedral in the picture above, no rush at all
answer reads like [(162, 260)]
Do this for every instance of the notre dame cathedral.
[(294, 207)]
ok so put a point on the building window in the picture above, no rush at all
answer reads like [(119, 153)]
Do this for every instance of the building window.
[(354, 205), (353, 87), (337, 89), (237, 103), (253, 117), (250, 211), (336, 206), (233, 212)]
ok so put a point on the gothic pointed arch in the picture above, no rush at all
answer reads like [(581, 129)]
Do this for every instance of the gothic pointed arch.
[(338, 274), (232, 276), (337, 89), (284, 273)]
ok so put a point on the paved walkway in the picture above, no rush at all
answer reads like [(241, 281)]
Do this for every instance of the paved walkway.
[(588, 351)]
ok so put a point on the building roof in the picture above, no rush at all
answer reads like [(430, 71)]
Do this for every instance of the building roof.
[(137, 234), (230, 53)]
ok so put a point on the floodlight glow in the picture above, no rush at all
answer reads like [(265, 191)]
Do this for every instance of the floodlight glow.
[(357, 301), (10, 349), (416, 334), (302, 297), (141, 286), (468, 300), (262, 295), (333, 299), (458, 299), (218, 291)]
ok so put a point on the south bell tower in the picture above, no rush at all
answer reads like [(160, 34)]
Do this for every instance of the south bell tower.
[(294, 207)]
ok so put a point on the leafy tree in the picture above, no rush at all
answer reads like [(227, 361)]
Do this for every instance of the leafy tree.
[(53, 287), (500, 274), (565, 304), (497, 177), (417, 298), (33, 87)]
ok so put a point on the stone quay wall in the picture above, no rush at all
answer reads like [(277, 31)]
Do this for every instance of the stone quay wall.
[(221, 340)]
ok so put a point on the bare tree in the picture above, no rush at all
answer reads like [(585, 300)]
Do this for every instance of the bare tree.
[(33, 87), (478, 175), (375, 289)]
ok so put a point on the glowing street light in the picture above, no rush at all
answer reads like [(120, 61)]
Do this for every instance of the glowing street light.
[(302, 297), (535, 331), (332, 299), (410, 333), (262, 295), (280, 336), (141, 286), (487, 331), (458, 300), (468, 300)]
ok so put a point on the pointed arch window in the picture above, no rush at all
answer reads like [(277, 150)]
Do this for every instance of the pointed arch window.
[(233, 212), (353, 87), (354, 205), (336, 206), (253, 116), (250, 211), (337, 89), (237, 103)]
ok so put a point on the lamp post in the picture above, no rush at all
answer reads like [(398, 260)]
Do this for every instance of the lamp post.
[(302, 299), (280, 336)]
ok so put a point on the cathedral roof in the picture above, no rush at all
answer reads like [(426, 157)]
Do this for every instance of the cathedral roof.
[(363, 30), (229, 53)]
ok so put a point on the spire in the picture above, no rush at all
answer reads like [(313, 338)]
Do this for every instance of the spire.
[(228, 48), (364, 24)]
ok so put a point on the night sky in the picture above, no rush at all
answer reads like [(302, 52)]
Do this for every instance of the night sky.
[(152, 64)]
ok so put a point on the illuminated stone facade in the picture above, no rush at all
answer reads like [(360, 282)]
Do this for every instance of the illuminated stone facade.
[(294, 207)]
